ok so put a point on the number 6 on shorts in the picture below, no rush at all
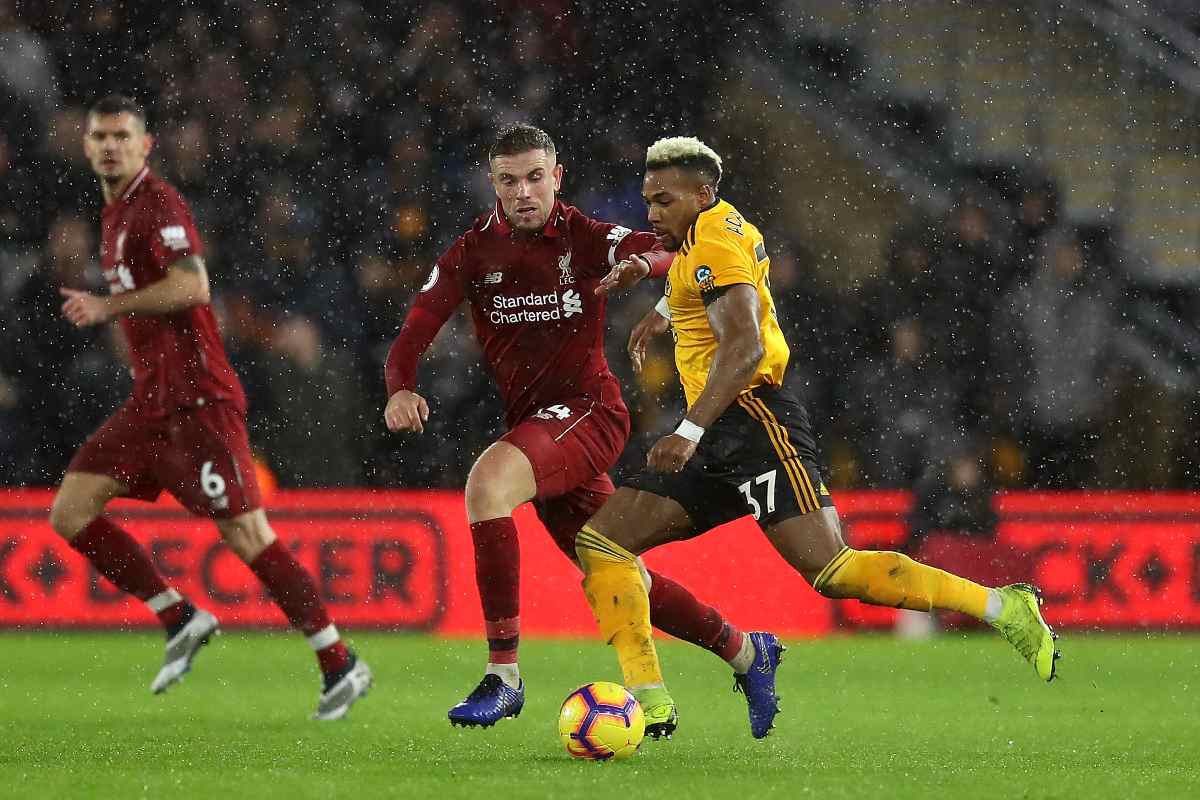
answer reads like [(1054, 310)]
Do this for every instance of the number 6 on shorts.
[(211, 482)]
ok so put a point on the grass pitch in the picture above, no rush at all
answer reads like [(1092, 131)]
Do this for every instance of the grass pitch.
[(863, 718)]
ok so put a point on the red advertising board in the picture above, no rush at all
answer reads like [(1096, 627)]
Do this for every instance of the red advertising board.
[(403, 560), (1103, 560)]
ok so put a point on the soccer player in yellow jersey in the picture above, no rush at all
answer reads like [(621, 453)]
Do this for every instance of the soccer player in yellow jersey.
[(744, 446)]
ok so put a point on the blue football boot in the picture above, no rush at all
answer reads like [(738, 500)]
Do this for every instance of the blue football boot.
[(491, 701), (758, 684)]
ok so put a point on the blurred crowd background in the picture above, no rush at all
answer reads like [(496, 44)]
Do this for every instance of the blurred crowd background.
[(331, 151)]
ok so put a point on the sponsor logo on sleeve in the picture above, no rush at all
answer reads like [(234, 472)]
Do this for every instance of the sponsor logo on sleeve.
[(120, 279), (705, 278), (431, 280), (174, 237), (618, 233), (616, 236)]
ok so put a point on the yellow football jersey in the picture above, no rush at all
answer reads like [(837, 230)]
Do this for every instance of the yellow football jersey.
[(721, 249)]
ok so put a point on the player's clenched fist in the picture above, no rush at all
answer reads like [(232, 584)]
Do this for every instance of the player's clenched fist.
[(406, 411), (670, 453), (83, 308)]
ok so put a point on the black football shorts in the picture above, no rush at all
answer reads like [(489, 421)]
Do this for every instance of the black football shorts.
[(758, 458)]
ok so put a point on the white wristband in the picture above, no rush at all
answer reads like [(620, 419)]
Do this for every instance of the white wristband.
[(663, 309), (690, 431)]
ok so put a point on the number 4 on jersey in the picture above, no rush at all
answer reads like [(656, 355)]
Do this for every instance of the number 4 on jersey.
[(557, 411), (769, 479)]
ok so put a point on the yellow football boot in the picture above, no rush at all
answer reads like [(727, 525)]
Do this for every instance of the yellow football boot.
[(1021, 623), (659, 709)]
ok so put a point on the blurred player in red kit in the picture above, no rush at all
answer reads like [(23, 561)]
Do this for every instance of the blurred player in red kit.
[(535, 272), (183, 430)]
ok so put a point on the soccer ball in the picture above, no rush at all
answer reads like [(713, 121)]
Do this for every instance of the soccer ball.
[(600, 721)]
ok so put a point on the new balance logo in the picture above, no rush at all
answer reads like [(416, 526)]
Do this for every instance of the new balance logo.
[(493, 277), (572, 303)]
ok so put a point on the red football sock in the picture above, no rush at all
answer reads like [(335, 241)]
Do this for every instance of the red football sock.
[(117, 556), (332, 655), (497, 574), (675, 610), (503, 635), (296, 595), (172, 609)]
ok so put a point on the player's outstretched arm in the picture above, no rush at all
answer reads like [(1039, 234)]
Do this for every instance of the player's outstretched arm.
[(185, 285), (733, 318), (655, 323), (406, 411)]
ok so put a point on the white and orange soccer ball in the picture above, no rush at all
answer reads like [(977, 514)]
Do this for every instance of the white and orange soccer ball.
[(600, 721)]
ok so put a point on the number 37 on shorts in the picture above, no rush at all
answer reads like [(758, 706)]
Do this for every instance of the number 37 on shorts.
[(751, 491)]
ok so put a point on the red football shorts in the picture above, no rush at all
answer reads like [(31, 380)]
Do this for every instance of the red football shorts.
[(571, 446), (200, 455)]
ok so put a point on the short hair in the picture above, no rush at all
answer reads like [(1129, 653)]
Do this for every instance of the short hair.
[(112, 104), (685, 152), (520, 137)]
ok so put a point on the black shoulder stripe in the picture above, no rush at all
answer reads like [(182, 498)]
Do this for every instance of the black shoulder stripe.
[(710, 296)]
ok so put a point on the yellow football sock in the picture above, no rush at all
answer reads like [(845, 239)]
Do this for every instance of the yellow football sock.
[(612, 581), (893, 579)]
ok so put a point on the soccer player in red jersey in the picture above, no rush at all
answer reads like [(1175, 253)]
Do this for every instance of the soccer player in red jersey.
[(183, 430), (535, 272)]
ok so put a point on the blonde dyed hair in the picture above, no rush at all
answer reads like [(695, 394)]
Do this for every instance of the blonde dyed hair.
[(686, 152)]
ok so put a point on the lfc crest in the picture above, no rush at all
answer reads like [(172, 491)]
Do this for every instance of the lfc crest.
[(565, 276)]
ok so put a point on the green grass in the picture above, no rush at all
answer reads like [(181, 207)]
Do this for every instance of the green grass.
[(864, 717)]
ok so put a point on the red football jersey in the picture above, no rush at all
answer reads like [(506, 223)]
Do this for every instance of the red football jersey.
[(533, 301), (178, 359)]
